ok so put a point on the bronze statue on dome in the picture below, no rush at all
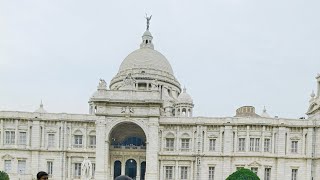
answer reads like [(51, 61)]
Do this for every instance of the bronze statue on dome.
[(148, 21)]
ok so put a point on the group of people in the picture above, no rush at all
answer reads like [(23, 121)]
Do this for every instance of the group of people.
[(44, 176)]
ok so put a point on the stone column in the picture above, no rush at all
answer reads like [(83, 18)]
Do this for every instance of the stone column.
[(191, 169), (16, 133), (2, 133), (235, 146), (152, 149), (161, 170), (176, 171), (102, 157), (85, 137), (70, 136), (280, 171), (28, 135), (247, 139), (228, 140), (35, 145), (123, 167), (69, 167), (138, 171), (262, 139), (42, 135)]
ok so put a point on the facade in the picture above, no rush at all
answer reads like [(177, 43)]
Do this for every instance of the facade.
[(142, 125)]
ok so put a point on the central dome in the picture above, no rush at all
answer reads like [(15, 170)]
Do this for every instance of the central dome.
[(146, 58)]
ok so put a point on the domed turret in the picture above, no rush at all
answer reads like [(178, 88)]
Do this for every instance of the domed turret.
[(147, 65), (184, 105), (40, 109), (264, 113)]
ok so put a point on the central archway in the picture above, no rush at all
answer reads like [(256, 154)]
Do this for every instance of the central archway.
[(127, 150)]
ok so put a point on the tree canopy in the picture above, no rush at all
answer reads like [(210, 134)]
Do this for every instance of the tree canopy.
[(243, 174), (4, 175)]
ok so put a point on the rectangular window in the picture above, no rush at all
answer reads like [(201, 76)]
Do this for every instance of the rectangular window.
[(184, 172), (294, 174), (254, 144), (77, 169), (170, 144), (212, 144), (251, 144), (22, 166), (169, 172), (93, 169), (242, 144), (185, 144), (254, 170), (10, 137), (51, 140), (211, 173), (92, 141), (22, 138), (257, 145), (267, 145), (7, 166), (77, 141), (50, 167), (267, 174), (294, 146)]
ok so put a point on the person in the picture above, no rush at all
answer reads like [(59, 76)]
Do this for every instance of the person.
[(42, 175), (123, 177)]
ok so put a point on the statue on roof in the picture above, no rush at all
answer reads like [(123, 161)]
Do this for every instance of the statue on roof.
[(102, 84), (148, 21)]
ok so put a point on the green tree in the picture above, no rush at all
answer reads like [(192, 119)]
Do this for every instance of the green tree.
[(243, 174), (4, 175)]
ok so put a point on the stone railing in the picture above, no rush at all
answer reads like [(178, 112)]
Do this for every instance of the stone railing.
[(128, 147)]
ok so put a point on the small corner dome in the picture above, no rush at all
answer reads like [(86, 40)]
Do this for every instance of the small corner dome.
[(146, 58), (184, 97), (41, 109), (264, 113)]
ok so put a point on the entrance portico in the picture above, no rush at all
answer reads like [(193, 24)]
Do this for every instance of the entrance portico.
[(126, 150)]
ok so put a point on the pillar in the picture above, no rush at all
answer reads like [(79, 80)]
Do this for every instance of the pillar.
[(161, 170), (176, 171), (102, 151), (138, 170), (152, 149), (2, 133), (123, 166)]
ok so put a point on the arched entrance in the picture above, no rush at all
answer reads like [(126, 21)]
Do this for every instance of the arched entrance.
[(143, 170), (131, 168), (128, 151), (117, 169)]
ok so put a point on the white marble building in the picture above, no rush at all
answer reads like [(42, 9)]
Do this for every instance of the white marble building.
[(142, 125)]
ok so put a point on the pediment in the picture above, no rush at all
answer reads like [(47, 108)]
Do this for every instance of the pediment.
[(7, 157), (254, 164), (295, 138)]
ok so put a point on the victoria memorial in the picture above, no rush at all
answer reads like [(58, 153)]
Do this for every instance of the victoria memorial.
[(141, 124)]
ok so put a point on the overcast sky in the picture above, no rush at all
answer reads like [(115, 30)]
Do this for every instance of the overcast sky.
[(227, 53)]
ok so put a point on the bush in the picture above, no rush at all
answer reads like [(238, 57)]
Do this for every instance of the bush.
[(4, 175), (243, 174)]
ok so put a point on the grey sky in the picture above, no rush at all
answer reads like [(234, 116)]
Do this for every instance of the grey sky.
[(228, 53)]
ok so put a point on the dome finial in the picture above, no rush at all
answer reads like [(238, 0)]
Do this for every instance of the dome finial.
[(41, 105), (147, 37), (148, 21), (264, 109), (184, 89)]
